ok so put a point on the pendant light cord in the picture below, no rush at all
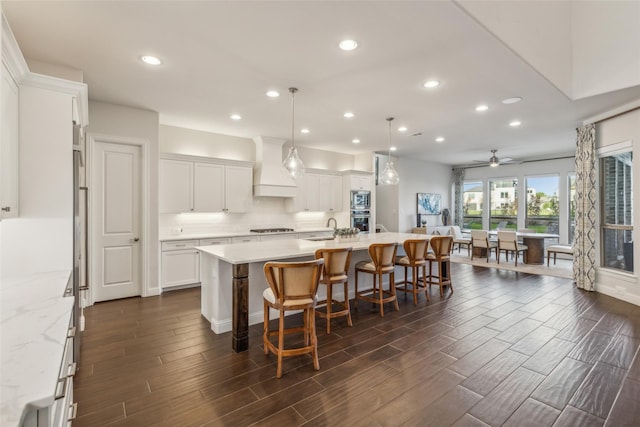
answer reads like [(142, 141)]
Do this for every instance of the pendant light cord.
[(293, 90), (389, 119)]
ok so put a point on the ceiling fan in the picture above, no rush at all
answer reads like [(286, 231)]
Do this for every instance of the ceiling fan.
[(495, 161)]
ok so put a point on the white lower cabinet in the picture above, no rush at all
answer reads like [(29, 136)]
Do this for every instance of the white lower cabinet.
[(63, 410), (180, 263)]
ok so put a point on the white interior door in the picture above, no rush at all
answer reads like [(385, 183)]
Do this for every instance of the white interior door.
[(116, 221)]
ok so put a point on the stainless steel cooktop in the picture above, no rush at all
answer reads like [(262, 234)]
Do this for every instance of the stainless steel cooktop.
[(271, 230)]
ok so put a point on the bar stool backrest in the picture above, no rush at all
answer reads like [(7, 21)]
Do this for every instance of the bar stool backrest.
[(293, 281), (336, 262), (441, 246), (416, 249), (383, 256)]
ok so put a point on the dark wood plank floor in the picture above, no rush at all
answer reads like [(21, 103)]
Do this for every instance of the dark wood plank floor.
[(505, 349)]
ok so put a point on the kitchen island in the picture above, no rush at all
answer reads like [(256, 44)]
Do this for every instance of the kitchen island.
[(232, 278)]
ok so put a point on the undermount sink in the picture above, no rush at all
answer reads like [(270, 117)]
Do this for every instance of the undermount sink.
[(319, 239)]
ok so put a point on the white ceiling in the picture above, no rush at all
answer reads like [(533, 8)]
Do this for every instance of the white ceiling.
[(221, 57)]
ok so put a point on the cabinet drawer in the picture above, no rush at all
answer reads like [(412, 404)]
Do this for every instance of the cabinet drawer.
[(220, 241), (180, 244), (245, 239)]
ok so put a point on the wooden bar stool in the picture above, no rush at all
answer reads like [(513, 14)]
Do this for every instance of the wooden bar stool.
[(382, 262), (441, 246), (334, 272), (416, 252), (292, 286)]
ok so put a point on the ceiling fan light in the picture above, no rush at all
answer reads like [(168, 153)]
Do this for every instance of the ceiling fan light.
[(493, 161)]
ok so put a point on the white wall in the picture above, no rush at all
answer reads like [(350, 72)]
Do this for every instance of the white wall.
[(41, 239), (198, 143), (117, 120), (396, 205), (562, 168), (626, 127)]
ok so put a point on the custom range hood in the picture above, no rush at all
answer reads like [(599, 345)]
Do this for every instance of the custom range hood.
[(269, 177)]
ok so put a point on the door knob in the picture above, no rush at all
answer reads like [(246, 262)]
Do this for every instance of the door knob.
[(135, 239)]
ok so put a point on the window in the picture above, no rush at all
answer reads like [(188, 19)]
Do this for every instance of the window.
[(503, 202), (543, 206), (617, 211), (472, 204), (572, 206)]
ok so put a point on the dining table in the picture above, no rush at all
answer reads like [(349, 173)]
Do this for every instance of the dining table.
[(534, 243)]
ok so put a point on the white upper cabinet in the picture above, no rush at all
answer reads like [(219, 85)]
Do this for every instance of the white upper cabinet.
[(176, 186), (208, 191), (238, 188), (204, 186), (9, 148), (361, 182), (317, 192)]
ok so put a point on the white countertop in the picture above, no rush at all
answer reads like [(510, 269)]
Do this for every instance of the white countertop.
[(34, 323), (221, 234), (242, 253)]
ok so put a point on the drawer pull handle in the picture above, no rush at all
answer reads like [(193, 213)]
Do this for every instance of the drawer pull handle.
[(63, 388), (72, 369), (73, 411), (6, 209), (72, 332), (181, 246)]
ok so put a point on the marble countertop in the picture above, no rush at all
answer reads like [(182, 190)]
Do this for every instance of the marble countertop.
[(221, 234), (34, 323), (242, 253)]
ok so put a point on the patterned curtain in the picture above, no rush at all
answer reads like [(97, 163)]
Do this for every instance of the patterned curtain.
[(458, 182), (584, 243)]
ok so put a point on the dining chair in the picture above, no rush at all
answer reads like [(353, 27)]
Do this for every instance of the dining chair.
[(460, 240), (292, 286), (415, 257), (480, 239), (382, 263), (334, 272), (508, 242), (441, 246)]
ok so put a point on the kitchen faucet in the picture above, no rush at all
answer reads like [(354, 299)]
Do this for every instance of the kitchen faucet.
[(335, 223)]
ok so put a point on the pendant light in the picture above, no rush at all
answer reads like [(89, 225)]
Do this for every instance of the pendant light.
[(389, 174), (293, 164)]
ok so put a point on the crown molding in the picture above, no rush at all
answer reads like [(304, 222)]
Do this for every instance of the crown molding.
[(11, 54)]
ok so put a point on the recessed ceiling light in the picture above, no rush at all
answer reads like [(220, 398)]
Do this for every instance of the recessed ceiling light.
[(392, 148), (482, 107), (512, 100), (515, 123), (355, 141), (348, 45), (273, 94), (304, 130), (151, 60), (431, 84), (235, 117), (349, 115), (402, 129), (440, 139)]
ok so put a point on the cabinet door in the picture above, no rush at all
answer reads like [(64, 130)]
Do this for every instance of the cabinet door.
[(9, 160), (361, 182), (325, 193), (180, 268), (176, 186), (298, 203), (336, 194), (208, 193), (238, 189), (312, 192)]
